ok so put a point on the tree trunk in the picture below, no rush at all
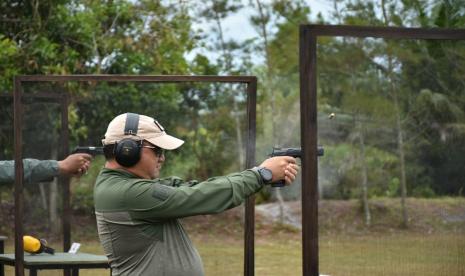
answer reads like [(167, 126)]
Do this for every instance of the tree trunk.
[(403, 178), (269, 73), (269, 88), (240, 143), (228, 61), (281, 205), (400, 145), (400, 138), (366, 207), (53, 204), (53, 207), (43, 196)]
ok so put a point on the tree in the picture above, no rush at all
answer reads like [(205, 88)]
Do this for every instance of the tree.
[(87, 37), (218, 11)]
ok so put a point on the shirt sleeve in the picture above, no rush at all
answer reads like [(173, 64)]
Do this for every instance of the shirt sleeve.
[(34, 170), (175, 181), (159, 201)]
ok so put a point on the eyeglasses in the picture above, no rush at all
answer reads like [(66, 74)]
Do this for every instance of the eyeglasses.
[(158, 151)]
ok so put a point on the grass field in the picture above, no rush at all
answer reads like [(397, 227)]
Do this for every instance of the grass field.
[(433, 244), (397, 254), (345, 256)]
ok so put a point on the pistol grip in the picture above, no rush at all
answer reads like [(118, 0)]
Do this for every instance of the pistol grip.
[(278, 184)]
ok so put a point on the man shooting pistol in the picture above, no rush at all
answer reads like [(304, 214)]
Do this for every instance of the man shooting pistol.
[(294, 152)]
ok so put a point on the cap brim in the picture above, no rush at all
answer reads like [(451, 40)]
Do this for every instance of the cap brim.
[(166, 141)]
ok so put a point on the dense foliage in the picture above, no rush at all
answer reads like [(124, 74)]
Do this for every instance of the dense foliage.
[(398, 104)]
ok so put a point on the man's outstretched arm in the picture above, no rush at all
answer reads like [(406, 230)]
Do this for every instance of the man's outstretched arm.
[(42, 170)]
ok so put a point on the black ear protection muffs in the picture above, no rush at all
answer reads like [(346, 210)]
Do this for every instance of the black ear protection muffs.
[(127, 151)]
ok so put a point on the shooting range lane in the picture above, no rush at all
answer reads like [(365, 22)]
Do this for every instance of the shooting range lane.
[(357, 217), (26, 84)]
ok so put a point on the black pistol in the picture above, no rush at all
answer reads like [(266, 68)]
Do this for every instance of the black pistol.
[(294, 152), (89, 150)]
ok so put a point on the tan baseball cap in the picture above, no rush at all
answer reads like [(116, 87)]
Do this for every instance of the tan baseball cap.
[(147, 129)]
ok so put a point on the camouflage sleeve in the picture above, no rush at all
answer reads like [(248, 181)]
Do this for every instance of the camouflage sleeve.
[(175, 181), (209, 197), (34, 170)]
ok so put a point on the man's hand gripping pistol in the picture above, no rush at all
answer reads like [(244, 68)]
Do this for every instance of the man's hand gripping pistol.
[(294, 152)]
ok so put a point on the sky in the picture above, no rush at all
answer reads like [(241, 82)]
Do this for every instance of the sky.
[(237, 26)]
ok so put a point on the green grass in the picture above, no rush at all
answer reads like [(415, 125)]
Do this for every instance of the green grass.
[(397, 254), (346, 246)]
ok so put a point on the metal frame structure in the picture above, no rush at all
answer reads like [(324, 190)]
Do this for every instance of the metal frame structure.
[(250, 81), (309, 133)]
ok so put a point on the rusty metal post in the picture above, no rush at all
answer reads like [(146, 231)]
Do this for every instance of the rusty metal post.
[(63, 180), (19, 201), (249, 234), (309, 138)]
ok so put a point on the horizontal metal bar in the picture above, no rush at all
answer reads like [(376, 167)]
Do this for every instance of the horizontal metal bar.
[(66, 266), (134, 78), (31, 99), (45, 95), (56, 266), (386, 32)]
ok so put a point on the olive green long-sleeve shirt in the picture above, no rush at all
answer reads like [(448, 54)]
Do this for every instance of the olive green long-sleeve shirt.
[(138, 222), (34, 170)]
